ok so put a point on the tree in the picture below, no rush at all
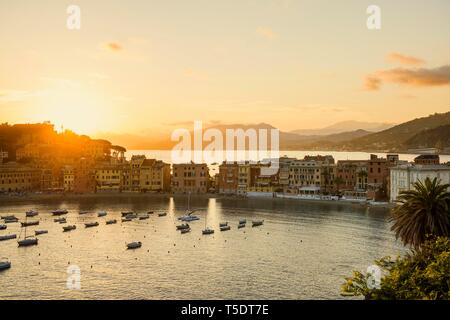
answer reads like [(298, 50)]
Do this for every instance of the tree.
[(424, 274), (424, 211)]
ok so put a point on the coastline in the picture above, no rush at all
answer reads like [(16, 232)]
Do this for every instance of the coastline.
[(4, 199)]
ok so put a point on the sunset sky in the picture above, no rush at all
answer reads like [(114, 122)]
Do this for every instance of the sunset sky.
[(145, 66)]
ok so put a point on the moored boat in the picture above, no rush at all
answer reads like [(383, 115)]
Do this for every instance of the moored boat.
[(8, 237), (183, 226), (225, 228), (207, 231), (39, 232), (11, 220), (69, 228), (126, 219), (134, 245), (102, 214), (111, 221), (162, 214), (59, 212), (4, 264), (241, 225), (126, 213), (3, 226), (31, 223), (223, 224), (28, 242), (257, 223), (243, 221), (144, 217), (31, 213), (60, 220), (9, 217), (183, 231), (91, 224)]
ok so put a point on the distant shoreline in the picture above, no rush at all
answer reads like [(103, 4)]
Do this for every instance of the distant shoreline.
[(71, 196)]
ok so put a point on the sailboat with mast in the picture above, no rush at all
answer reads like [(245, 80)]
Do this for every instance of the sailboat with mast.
[(189, 213), (207, 230), (27, 240)]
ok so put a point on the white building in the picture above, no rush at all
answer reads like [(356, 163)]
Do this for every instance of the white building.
[(403, 177)]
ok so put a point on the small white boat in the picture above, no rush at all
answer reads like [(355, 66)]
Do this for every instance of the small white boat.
[(91, 224), (111, 221), (31, 213), (102, 214), (59, 212), (257, 223), (134, 245), (28, 242), (31, 223), (39, 232), (225, 228), (4, 264), (8, 237), (131, 216), (207, 231), (69, 228), (3, 226)]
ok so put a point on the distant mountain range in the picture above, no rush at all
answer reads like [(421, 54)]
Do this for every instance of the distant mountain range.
[(427, 132), (346, 126)]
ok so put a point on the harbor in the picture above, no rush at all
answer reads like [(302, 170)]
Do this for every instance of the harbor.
[(301, 250)]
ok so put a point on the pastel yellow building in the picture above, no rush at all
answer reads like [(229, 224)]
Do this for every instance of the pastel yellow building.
[(18, 178)]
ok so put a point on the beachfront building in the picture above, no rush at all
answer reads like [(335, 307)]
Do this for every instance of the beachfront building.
[(304, 177), (190, 178), (352, 178), (154, 176), (229, 178), (108, 178), (427, 159), (15, 177), (68, 178), (3, 156), (403, 177), (145, 175)]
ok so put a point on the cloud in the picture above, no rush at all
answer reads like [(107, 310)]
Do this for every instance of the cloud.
[(266, 32), (421, 77), (372, 83), (113, 46), (395, 57)]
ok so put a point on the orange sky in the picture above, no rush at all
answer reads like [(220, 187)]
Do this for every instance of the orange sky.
[(143, 66)]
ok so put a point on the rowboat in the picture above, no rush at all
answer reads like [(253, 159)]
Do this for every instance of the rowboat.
[(257, 223), (31, 223), (31, 213), (8, 237), (134, 245), (69, 228), (111, 221), (91, 224), (39, 232), (225, 228), (59, 212)]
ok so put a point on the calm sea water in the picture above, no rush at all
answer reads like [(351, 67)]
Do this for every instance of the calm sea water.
[(302, 251)]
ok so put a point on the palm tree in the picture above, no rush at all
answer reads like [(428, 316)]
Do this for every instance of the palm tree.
[(424, 211)]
